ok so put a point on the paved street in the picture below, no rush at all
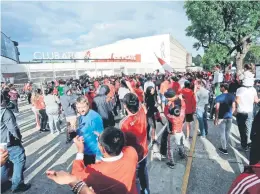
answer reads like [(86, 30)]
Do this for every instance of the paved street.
[(213, 172), (210, 173)]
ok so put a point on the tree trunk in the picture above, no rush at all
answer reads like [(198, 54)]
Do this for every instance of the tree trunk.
[(241, 55), (239, 62)]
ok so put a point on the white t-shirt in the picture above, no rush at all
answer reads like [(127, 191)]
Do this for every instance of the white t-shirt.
[(247, 98), (122, 92), (218, 77), (147, 84)]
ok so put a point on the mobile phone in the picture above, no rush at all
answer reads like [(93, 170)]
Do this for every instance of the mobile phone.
[(3, 146)]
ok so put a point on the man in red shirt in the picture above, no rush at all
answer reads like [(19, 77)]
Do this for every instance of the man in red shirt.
[(134, 126), (175, 113), (117, 170), (190, 101), (175, 84)]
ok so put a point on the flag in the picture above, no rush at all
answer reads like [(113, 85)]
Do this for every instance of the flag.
[(164, 65)]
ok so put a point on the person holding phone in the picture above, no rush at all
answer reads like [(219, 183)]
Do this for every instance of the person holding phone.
[(11, 136)]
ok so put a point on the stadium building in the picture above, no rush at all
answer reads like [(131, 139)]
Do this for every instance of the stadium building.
[(140, 55)]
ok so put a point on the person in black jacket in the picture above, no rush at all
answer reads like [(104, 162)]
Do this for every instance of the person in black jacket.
[(102, 105), (151, 110)]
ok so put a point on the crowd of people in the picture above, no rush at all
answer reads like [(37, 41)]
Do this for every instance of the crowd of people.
[(117, 156)]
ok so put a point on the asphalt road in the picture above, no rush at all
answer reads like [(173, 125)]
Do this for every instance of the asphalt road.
[(210, 173)]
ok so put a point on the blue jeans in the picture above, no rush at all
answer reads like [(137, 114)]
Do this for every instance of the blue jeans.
[(17, 157), (4, 174), (142, 179), (202, 118)]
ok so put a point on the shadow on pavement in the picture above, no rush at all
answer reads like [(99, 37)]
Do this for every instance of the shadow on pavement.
[(212, 172)]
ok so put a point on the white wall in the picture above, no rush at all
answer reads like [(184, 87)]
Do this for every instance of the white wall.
[(178, 55), (146, 46)]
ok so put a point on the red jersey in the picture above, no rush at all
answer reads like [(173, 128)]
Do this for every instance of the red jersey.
[(248, 182), (90, 96), (111, 94), (190, 100), (114, 176), (176, 87), (140, 94), (117, 86), (177, 122), (135, 129)]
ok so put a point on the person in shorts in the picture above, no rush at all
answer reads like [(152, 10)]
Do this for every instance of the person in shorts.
[(190, 101)]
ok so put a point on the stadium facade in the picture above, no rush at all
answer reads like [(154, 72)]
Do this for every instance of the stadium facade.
[(130, 56)]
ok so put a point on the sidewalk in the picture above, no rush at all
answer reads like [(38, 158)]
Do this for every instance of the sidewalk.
[(213, 172)]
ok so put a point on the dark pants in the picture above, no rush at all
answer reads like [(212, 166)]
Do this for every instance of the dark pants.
[(29, 95), (142, 179), (44, 119), (151, 124), (164, 138), (17, 157), (15, 103), (89, 159), (244, 123)]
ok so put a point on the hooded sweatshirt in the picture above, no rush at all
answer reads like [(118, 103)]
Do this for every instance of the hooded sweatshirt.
[(101, 104), (67, 102)]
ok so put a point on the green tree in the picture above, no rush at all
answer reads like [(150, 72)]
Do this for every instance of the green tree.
[(213, 55), (253, 55), (197, 60), (231, 24)]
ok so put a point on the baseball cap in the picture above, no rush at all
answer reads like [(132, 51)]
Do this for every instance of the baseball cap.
[(170, 93)]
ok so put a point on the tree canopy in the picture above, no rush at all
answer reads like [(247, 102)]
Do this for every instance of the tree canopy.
[(253, 55), (197, 60), (228, 26)]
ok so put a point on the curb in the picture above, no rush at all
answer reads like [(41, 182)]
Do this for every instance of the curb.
[(189, 161)]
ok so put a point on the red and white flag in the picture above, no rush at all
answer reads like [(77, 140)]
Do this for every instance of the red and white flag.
[(164, 65)]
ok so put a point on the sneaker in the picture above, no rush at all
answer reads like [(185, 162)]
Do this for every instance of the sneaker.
[(245, 148), (170, 165), (154, 142), (200, 135), (68, 141), (223, 151), (249, 145), (22, 188), (163, 157), (182, 155)]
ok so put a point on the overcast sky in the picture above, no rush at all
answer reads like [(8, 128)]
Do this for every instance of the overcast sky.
[(75, 26)]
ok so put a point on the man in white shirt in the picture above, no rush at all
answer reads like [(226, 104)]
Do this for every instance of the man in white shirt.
[(245, 99), (148, 83), (218, 78)]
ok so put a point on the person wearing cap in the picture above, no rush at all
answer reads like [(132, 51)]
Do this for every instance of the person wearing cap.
[(134, 125), (190, 101), (175, 113), (67, 101), (246, 96)]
